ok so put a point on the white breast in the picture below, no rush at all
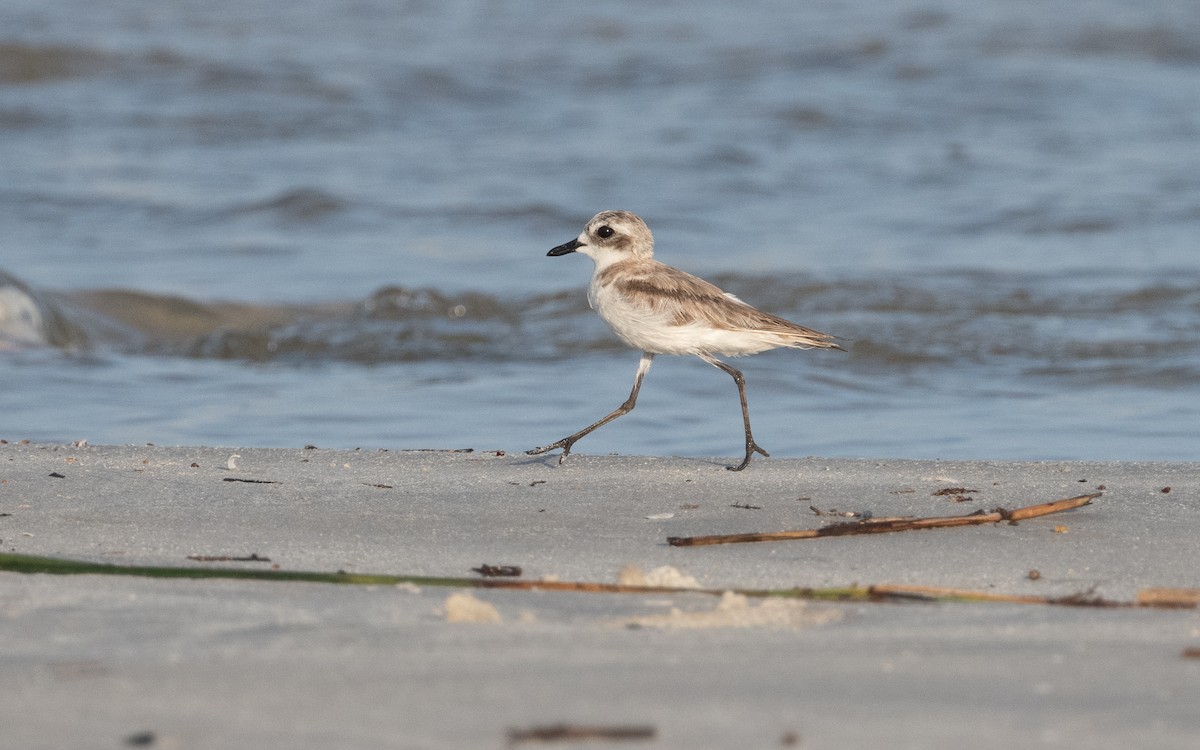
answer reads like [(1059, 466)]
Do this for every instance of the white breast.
[(636, 325)]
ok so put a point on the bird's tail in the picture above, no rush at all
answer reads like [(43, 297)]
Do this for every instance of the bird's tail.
[(806, 338)]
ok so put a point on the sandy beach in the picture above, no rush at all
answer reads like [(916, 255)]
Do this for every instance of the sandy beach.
[(123, 660)]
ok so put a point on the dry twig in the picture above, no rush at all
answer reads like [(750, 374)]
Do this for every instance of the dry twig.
[(252, 557), (884, 525), (577, 732)]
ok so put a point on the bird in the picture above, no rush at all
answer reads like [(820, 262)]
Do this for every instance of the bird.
[(658, 309)]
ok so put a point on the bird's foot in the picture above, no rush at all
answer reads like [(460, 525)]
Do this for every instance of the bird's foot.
[(751, 448), (565, 444)]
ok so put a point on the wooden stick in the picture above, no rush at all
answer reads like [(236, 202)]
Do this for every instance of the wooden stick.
[(884, 525), (577, 732), (1169, 598), (942, 593)]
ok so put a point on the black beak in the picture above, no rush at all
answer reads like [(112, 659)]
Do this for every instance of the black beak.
[(566, 247)]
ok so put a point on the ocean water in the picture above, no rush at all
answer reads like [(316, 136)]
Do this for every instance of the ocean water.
[(284, 223)]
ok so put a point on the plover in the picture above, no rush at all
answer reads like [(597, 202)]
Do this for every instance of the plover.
[(658, 309)]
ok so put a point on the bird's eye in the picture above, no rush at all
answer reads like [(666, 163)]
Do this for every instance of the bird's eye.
[(605, 232)]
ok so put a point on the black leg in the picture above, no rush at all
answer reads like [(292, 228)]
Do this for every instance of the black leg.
[(751, 446), (621, 410)]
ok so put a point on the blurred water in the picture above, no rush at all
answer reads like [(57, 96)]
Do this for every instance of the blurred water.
[(268, 223)]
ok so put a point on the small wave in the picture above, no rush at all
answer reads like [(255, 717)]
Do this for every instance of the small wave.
[(300, 204), (1159, 43), (544, 214), (28, 318), (23, 64), (23, 119), (1063, 327)]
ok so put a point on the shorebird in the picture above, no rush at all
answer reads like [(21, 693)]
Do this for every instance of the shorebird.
[(658, 309)]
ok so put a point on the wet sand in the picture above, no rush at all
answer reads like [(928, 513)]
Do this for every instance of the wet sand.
[(119, 660)]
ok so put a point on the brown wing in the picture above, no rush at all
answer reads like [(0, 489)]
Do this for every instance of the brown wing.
[(691, 299)]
